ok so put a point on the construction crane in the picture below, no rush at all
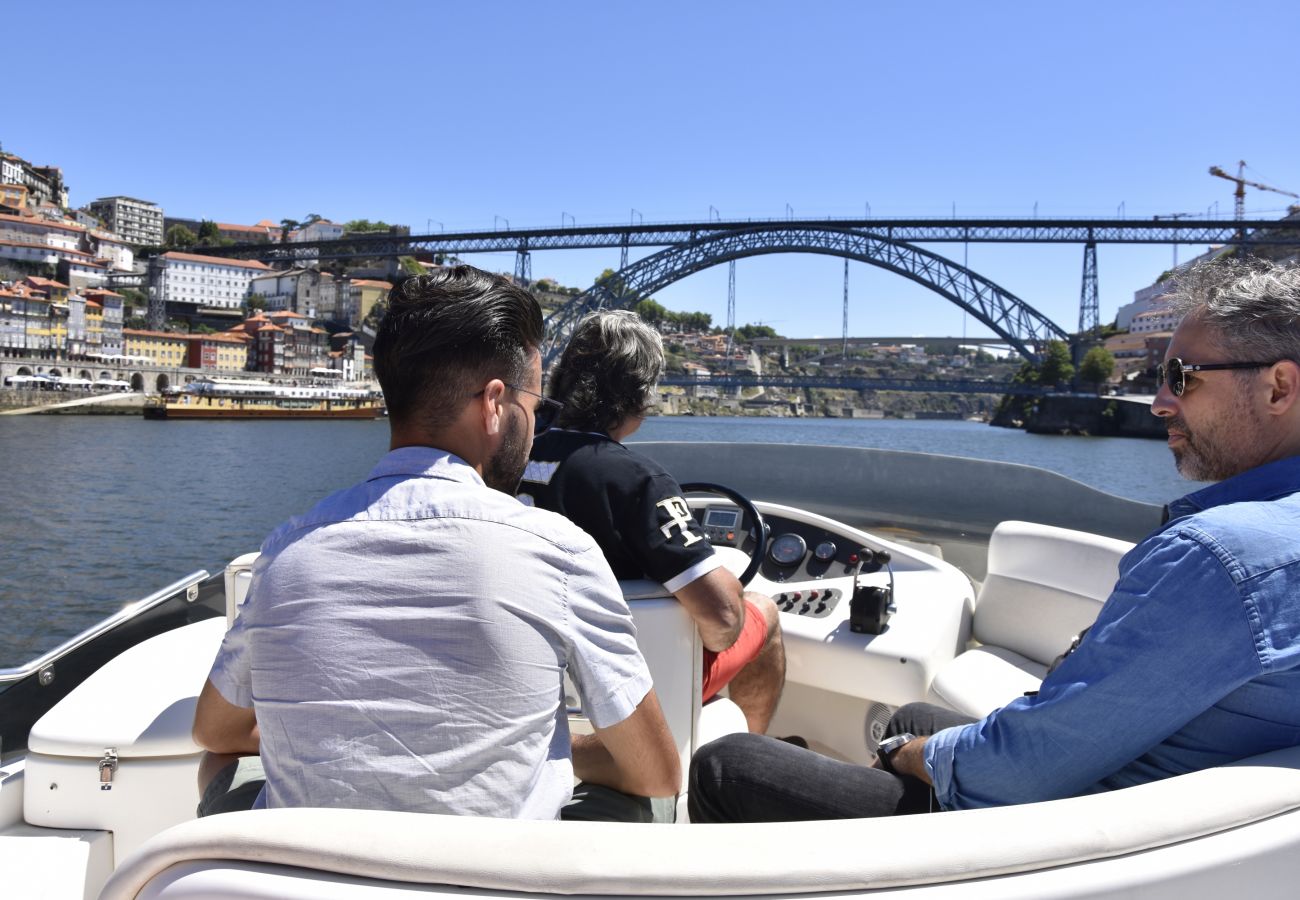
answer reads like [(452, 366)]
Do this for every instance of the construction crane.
[(1239, 195)]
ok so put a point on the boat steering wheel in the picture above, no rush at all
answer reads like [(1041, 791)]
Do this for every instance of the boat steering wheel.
[(758, 529)]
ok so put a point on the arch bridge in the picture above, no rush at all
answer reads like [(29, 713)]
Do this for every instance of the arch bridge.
[(1014, 320)]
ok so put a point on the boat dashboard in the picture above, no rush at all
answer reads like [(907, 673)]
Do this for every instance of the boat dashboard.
[(861, 615)]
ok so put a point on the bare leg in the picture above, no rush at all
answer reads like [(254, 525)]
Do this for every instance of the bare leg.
[(757, 687)]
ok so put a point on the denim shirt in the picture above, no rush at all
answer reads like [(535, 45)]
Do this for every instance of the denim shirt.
[(1194, 661)]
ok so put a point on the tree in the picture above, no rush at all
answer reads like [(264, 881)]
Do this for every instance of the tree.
[(364, 225), (1055, 367), (255, 301), (180, 237), (652, 312), (208, 232), (286, 226), (410, 265), (750, 332), (135, 299), (1097, 366)]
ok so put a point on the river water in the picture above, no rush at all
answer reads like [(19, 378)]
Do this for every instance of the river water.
[(103, 510)]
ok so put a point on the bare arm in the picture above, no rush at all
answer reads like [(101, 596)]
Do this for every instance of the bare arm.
[(222, 727), (716, 603), (636, 756)]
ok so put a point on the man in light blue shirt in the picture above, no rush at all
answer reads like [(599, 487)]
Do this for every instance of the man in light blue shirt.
[(404, 643), (1194, 661)]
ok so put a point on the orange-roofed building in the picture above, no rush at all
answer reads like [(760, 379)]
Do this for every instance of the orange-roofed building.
[(189, 282)]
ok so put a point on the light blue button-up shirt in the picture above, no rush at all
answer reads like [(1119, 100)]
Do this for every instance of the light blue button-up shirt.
[(404, 645), (1194, 661)]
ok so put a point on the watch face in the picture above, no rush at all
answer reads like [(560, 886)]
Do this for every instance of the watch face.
[(889, 745)]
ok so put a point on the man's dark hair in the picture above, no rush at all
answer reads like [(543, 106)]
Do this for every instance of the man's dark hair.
[(445, 334), (608, 372)]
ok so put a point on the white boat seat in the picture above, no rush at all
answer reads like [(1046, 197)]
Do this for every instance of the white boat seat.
[(1044, 586), (139, 706), (1166, 835)]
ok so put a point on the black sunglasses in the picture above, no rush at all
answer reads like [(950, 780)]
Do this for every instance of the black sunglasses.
[(1174, 372), (545, 415)]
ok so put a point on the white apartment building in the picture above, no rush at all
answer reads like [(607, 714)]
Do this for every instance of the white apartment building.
[(320, 230), (204, 281), (1159, 319), (113, 250), (289, 290), (137, 221)]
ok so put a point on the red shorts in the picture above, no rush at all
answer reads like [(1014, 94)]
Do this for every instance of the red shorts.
[(720, 668)]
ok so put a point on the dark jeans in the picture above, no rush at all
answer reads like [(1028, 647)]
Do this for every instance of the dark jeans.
[(753, 778)]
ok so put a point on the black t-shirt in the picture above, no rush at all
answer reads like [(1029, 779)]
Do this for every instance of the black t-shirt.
[(627, 502)]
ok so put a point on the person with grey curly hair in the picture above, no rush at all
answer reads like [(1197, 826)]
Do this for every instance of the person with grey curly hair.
[(1192, 662), (606, 380)]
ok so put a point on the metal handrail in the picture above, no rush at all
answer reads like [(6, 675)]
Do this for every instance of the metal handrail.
[(124, 614)]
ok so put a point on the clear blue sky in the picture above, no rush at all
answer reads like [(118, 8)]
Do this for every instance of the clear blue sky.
[(457, 113)]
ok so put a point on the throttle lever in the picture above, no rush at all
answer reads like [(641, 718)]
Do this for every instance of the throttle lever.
[(872, 605)]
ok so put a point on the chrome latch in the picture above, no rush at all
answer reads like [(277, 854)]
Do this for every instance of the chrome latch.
[(107, 766)]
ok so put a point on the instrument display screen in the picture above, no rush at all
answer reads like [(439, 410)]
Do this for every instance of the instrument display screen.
[(721, 518)]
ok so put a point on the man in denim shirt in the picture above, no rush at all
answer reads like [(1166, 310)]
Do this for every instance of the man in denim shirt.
[(1194, 661)]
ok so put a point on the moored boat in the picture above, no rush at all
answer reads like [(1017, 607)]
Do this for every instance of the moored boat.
[(237, 398)]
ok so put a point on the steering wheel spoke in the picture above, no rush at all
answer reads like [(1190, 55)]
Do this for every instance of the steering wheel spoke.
[(751, 516)]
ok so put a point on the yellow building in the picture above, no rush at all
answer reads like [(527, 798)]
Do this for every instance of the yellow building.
[(163, 348), (364, 294), (94, 326)]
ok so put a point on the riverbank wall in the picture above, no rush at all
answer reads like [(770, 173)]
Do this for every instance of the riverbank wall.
[(54, 403), (1085, 414)]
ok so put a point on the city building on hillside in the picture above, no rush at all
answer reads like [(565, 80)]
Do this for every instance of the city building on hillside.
[(111, 315), (320, 230), (260, 233), (113, 250), (348, 355), (263, 232), (362, 295), (13, 197), (159, 347), (94, 328), (291, 290), (138, 222), (1144, 300), (44, 184), (80, 272), (190, 281), (211, 352), (25, 328), (1162, 318)]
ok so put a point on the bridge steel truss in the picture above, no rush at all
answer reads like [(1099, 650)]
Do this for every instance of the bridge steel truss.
[(1018, 323), (916, 231), (856, 383)]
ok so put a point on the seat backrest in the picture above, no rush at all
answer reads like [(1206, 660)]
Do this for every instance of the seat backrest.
[(671, 646), (1044, 586)]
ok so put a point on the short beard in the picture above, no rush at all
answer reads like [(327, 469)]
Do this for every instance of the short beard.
[(506, 467), (1211, 457)]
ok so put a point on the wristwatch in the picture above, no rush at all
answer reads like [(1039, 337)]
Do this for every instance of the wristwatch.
[(889, 745)]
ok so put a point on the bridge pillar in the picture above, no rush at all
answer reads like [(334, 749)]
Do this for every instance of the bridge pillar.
[(523, 268), (1089, 310)]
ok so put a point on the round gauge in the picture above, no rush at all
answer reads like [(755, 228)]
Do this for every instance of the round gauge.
[(787, 550), (825, 551)]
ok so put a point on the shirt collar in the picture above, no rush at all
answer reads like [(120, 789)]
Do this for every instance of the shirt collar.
[(425, 462), (1266, 482)]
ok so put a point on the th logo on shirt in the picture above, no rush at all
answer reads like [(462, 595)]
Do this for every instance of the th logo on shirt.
[(679, 516)]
